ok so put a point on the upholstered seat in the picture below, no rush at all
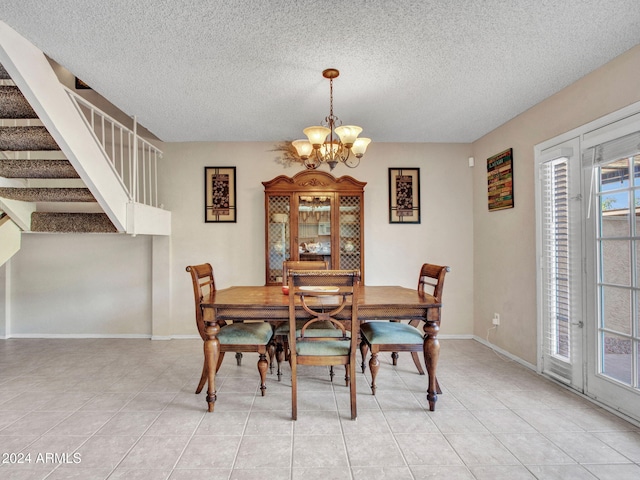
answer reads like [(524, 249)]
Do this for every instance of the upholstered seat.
[(395, 336), (245, 334), (233, 337), (391, 332)]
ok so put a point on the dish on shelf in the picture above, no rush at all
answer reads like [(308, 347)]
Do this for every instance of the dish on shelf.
[(279, 217)]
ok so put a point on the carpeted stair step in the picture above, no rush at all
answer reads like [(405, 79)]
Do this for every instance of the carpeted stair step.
[(4, 75), (37, 169), (13, 105), (17, 139), (71, 223), (47, 194)]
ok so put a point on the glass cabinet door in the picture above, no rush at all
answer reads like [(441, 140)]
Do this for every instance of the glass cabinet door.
[(314, 227), (279, 236), (350, 240)]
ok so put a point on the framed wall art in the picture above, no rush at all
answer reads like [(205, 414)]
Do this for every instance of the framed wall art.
[(404, 195), (220, 194), (500, 180)]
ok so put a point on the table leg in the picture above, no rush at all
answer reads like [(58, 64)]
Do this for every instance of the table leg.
[(211, 355), (431, 354)]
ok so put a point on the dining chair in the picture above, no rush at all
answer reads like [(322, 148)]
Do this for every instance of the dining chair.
[(233, 337), (395, 336), (281, 332), (316, 297)]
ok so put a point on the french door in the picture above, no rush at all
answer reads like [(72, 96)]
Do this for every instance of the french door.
[(612, 238), (560, 323)]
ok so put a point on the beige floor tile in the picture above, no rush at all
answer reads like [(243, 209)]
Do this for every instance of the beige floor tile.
[(264, 452), (202, 453), (319, 451), (154, 453), (495, 419)]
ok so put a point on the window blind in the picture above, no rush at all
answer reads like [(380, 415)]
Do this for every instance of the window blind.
[(556, 263), (603, 153)]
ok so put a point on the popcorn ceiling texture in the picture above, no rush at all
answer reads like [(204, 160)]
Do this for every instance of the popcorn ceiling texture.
[(410, 70)]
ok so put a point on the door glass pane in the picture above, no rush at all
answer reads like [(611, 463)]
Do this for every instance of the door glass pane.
[(616, 308), (314, 227), (617, 359), (616, 261)]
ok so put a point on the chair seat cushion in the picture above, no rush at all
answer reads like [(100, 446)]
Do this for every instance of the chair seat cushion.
[(322, 328), (320, 348), (250, 333), (382, 332)]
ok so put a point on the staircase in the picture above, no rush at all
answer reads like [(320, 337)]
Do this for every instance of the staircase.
[(32, 172), (66, 166)]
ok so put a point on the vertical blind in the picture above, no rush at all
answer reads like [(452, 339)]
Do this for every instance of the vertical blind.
[(556, 263)]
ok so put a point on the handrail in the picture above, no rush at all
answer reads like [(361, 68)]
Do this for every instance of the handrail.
[(132, 158)]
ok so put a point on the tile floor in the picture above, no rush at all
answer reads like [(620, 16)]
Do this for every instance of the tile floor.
[(125, 409)]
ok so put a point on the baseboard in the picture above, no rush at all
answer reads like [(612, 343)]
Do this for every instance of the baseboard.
[(100, 335), (80, 335), (504, 353)]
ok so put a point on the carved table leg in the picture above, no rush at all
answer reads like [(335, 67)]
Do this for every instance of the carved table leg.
[(364, 349), (374, 366), (279, 359), (431, 354), (262, 368), (211, 354)]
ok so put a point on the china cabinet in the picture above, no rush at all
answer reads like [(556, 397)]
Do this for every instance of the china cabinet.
[(313, 216)]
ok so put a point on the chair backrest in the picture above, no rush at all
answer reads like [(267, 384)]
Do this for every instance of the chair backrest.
[(301, 265), (203, 285), (323, 295), (433, 276)]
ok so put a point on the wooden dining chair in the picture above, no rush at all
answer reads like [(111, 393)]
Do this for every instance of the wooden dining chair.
[(318, 296), (281, 332), (233, 337), (396, 336)]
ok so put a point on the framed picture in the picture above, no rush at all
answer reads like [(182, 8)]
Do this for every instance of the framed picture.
[(404, 195), (220, 194), (500, 180)]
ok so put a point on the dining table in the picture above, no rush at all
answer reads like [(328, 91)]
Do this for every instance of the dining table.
[(269, 303)]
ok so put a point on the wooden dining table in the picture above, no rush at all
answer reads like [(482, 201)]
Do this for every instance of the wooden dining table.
[(268, 303)]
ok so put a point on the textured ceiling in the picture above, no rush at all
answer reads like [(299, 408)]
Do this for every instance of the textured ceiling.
[(411, 71)]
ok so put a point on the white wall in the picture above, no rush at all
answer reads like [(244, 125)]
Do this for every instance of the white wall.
[(393, 253), (81, 284)]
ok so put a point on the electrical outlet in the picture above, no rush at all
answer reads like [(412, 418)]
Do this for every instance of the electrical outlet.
[(496, 319)]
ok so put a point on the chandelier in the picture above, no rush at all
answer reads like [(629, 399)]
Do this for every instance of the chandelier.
[(322, 147)]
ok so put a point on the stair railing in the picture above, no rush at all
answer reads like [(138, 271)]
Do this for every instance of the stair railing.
[(132, 158)]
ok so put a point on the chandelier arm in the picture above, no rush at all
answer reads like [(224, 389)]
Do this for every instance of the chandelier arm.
[(354, 159), (311, 163)]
